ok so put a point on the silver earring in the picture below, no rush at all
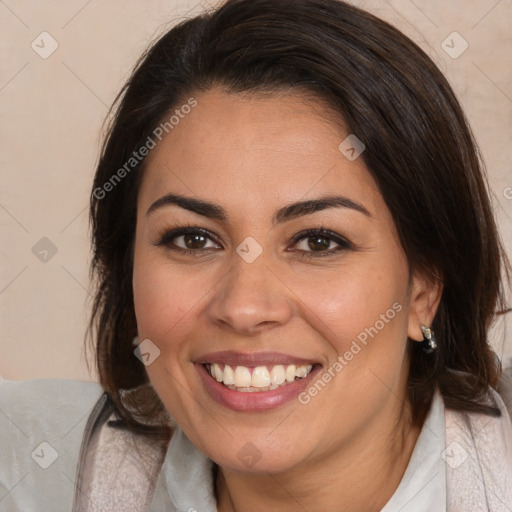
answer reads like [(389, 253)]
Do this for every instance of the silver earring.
[(429, 343), (136, 341)]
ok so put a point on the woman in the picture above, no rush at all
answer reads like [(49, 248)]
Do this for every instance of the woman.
[(291, 222)]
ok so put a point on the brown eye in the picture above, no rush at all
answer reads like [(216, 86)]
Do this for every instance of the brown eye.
[(319, 242), (194, 241), (188, 240)]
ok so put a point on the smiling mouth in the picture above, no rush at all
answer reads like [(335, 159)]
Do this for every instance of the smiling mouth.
[(251, 379)]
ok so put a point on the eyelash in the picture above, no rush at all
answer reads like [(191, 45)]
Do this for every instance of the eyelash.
[(168, 235)]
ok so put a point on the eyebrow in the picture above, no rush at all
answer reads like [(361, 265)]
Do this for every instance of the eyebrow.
[(286, 213)]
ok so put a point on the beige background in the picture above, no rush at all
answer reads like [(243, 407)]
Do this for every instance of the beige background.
[(51, 117)]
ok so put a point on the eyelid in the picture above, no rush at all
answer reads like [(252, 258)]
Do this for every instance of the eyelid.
[(180, 230), (166, 235), (327, 233)]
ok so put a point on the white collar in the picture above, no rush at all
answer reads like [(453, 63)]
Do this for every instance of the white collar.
[(423, 486)]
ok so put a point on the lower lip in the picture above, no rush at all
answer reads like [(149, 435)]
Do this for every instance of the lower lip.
[(257, 400)]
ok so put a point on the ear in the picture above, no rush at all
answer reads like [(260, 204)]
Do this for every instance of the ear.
[(425, 295)]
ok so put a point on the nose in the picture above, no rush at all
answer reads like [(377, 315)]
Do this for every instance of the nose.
[(250, 298)]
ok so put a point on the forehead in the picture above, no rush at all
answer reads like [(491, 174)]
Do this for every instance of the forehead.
[(233, 147)]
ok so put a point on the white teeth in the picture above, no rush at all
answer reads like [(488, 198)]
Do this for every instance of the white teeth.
[(229, 376), (302, 371), (290, 373), (277, 375), (242, 377), (262, 379), (217, 373)]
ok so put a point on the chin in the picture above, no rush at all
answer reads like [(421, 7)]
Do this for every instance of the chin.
[(259, 455), (256, 462)]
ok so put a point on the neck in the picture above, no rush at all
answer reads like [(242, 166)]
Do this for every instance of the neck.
[(362, 475)]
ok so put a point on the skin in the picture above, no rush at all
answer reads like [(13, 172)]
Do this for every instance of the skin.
[(252, 155)]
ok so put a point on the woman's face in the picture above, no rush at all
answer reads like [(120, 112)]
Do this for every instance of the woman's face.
[(258, 294)]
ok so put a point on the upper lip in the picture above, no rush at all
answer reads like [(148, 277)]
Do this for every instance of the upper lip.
[(252, 358)]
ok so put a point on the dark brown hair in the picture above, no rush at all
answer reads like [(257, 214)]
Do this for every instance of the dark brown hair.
[(419, 149)]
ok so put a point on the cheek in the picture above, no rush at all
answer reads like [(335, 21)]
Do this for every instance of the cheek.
[(362, 316), (361, 313), (164, 307), (162, 297), (356, 304)]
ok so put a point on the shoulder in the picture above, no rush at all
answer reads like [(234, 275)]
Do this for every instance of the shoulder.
[(478, 458), (504, 388), (41, 428), (112, 454), (41, 393), (484, 428), (56, 405)]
